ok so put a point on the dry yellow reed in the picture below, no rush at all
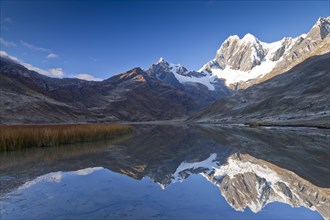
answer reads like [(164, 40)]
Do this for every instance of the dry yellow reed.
[(14, 137)]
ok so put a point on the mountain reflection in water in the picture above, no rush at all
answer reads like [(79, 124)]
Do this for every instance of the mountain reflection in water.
[(250, 167)]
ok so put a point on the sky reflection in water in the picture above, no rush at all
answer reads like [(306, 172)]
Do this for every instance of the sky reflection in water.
[(206, 173)]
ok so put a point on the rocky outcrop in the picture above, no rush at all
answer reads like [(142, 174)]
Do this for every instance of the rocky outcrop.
[(316, 42), (240, 54), (320, 30)]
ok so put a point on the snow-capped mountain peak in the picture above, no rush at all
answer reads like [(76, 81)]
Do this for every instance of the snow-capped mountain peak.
[(242, 62), (321, 29), (249, 39), (323, 21), (246, 61), (236, 54), (232, 37), (161, 60), (169, 72), (163, 65)]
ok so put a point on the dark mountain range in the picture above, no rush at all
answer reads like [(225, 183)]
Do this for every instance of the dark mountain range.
[(28, 97)]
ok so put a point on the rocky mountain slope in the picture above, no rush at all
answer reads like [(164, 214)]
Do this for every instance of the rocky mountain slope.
[(28, 97), (248, 61), (240, 63), (196, 84), (25, 96), (298, 97)]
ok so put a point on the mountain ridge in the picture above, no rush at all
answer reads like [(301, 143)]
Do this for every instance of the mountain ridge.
[(163, 91), (248, 61), (28, 97), (299, 96)]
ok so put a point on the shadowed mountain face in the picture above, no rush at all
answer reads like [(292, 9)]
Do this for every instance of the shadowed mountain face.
[(137, 96), (299, 95), (28, 97), (198, 85), (251, 167)]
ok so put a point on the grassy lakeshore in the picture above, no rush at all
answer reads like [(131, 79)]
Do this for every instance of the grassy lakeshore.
[(15, 137)]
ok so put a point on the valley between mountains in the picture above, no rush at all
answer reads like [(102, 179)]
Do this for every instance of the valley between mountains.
[(249, 81)]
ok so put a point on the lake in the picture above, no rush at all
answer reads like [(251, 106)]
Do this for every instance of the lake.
[(174, 171)]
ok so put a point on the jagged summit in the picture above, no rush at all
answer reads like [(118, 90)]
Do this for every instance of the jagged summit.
[(161, 60), (232, 37), (238, 54), (323, 21), (244, 62), (179, 76), (321, 29), (249, 38)]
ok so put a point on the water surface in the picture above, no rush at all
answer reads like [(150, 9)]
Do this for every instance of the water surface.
[(164, 171)]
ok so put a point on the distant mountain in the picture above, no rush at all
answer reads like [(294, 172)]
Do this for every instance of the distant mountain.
[(197, 85), (138, 96), (282, 83), (248, 61), (298, 97), (28, 97), (170, 91)]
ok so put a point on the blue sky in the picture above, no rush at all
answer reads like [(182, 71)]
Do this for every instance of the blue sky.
[(102, 38)]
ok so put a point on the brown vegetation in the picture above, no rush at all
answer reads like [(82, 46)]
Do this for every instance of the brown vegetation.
[(16, 137)]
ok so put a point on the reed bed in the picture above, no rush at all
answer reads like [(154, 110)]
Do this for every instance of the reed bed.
[(15, 137)]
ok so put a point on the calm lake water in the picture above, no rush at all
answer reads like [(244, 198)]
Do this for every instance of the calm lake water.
[(167, 171)]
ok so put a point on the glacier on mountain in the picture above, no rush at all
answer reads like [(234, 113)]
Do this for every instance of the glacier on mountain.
[(247, 59), (263, 58), (182, 74)]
